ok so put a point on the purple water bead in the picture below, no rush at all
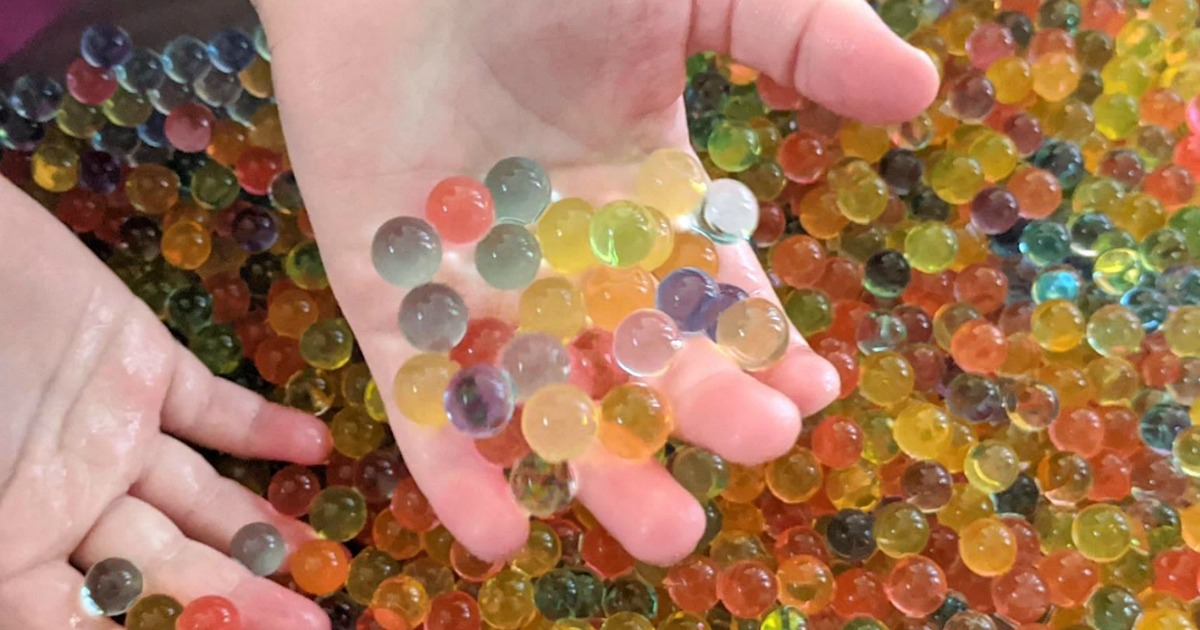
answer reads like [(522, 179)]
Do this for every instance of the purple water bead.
[(255, 229), (683, 294), (727, 295), (105, 45), (480, 400), (994, 210), (231, 50), (99, 171)]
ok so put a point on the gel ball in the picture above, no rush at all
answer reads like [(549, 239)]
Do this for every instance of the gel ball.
[(672, 181), (433, 318), (754, 332), (559, 422), (622, 234), (542, 488), (479, 400), (520, 188), (461, 209), (684, 294), (730, 211), (105, 45), (508, 257), (534, 361), (406, 251), (645, 342), (259, 547), (111, 586)]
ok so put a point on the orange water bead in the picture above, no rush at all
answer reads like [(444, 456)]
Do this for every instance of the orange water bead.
[(506, 447), (842, 279), (230, 294), (1160, 368), (252, 330), (1038, 192), (453, 610), (1070, 578), (394, 539), (916, 586), (1079, 431), (747, 588), (929, 291), (278, 358), (692, 584), (1107, 16), (805, 582), (691, 249), (1049, 41), (611, 294), (1112, 477), (846, 316), (228, 142), (470, 567), (186, 245), (799, 261), (1171, 184), (818, 212), (291, 312), (320, 566), (1028, 7), (411, 508), (1163, 107), (256, 168), (983, 286), (1187, 153), (804, 158), (1121, 433), (979, 346), (837, 442), (1176, 572), (860, 592)]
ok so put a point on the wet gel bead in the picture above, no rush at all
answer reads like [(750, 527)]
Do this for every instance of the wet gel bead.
[(672, 181), (635, 421), (684, 294), (622, 233), (730, 211), (480, 400), (111, 586), (508, 257), (420, 385), (406, 251), (210, 612), (559, 422), (645, 342), (542, 488), (553, 306), (734, 146), (105, 45), (461, 209), (338, 513), (259, 547), (328, 344), (534, 361), (319, 566), (520, 189), (754, 332), (154, 612), (563, 233), (433, 317)]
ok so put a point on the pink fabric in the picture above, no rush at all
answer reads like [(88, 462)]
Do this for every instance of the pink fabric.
[(23, 19)]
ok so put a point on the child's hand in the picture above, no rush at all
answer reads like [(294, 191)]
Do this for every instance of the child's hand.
[(96, 398), (383, 98)]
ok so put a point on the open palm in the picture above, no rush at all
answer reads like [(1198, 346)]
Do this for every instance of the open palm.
[(97, 397), (381, 99)]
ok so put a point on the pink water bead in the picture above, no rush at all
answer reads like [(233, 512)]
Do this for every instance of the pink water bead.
[(988, 42), (189, 127), (88, 84), (460, 209)]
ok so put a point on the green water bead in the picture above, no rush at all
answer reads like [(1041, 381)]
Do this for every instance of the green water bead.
[(1113, 608), (622, 233), (338, 513), (304, 267), (1117, 271), (931, 246), (508, 257), (189, 309), (1163, 248), (1115, 331), (702, 473), (785, 618), (734, 146), (328, 344), (127, 109), (214, 186), (218, 347), (809, 310)]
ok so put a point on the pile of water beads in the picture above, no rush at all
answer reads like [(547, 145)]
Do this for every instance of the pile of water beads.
[(1007, 285)]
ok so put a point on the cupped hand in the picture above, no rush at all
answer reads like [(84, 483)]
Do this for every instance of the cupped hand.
[(97, 399), (381, 99)]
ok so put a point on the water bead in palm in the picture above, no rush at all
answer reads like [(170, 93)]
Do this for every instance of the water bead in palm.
[(111, 587), (520, 189), (433, 317), (259, 547), (480, 400)]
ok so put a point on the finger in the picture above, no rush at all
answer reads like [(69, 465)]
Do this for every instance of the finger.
[(46, 597), (185, 569), (837, 52), (216, 413), (802, 375), (641, 505), (206, 506), (721, 408)]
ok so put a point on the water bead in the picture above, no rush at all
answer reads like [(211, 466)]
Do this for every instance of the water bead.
[(406, 251), (479, 400), (734, 146), (105, 45), (622, 233), (1161, 424), (259, 547), (559, 422), (541, 487), (420, 385), (508, 257), (433, 317), (730, 211), (754, 332), (645, 342), (461, 209), (672, 181), (635, 421), (987, 547), (991, 466), (154, 612), (111, 587), (1182, 329), (747, 588), (931, 246), (210, 612), (887, 378), (553, 306), (1101, 532)]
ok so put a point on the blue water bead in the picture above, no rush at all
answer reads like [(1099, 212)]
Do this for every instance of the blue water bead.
[(1045, 242), (508, 257), (1085, 230), (407, 251), (105, 45), (19, 133), (231, 50), (710, 313), (1150, 305), (1063, 159), (1161, 423), (520, 188), (1057, 283), (35, 97), (880, 331), (433, 317), (976, 398), (683, 294), (479, 400), (1181, 285), (185, 59), (1007, 244), (142, 72), (152, 131)]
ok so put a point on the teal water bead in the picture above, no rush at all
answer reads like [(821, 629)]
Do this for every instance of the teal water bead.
[(508, 257), (1056, 283), (433, 317), (1045, 242), (1163, 248), (260, 548), (520, 189), (1116, 271), (880, 331), (533, 361), (734, 146), (111, 586), (542, 488), (1113, 608), (730, 211), (407, 251), (1150, 305)]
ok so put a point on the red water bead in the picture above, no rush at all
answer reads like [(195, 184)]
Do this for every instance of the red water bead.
[(1111, 477), (1160, 368), (837, 442), (88, 84), (377, 473), (1187, 153), (15, 167), (1080, 431), (1172, 184), (1070, 577), (988, 42), (1123, 165), (1163, 107), (230, 294), (979, 346), (1029, 546), (210, 612), (983, 286), (1104, 15), (1037, 191), (1016, 317), (942, 546), (1028, 7), (918, 325), (189, 127), (692, 584), (278, 358), (798, 261), (772, 222), (1025, 131), (594, 369), (1175, 571), (481, 344), (460, 209), (453, 610), (846, 316), (252, 329), (859, 592), (256, 168), (847, 368), (1156, 473), (916, 586), (604, 554), (411, 508), (779, 516), (747, 588), (929, 291), (804, 158), (800, 540), (506, 447), (1020, 595), (777, 96), (975, 588), (1121, 432), (842, 279), (109, 229), (292, 489), (340, 470), (80, 210)]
